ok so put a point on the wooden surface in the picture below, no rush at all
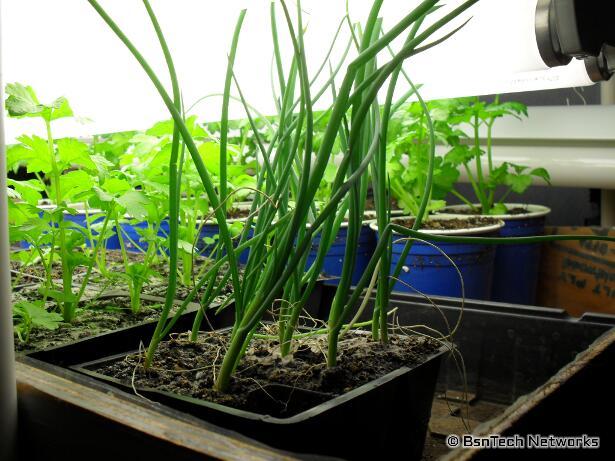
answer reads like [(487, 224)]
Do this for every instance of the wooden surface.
[(62, 416), (578, 276)]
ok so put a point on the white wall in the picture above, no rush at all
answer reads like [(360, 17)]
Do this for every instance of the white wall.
[(64, 48)]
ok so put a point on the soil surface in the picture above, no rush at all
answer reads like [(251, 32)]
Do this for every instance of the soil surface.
[(236, 213), (264, 382), (98, 313), (106, 315), (370, 204), (450, 224), (479, 210)]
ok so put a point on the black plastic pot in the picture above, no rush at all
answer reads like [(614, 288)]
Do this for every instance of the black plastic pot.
[(390, 415), (384, 419)]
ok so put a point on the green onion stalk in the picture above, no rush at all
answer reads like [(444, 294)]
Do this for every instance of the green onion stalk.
[(269, 270), (214, 199), (282, 234)]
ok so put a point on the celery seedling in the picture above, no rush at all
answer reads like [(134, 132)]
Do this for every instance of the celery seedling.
[(52, 159)]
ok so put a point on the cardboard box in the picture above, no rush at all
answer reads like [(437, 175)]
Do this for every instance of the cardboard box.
[(578, 276)]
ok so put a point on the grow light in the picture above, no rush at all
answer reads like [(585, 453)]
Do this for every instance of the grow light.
[(573, 75)]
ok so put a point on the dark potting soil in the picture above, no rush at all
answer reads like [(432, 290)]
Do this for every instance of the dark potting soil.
[(237, 213), (107, 314), (450, 224), (479, 210), (370, 204), (189, 368), (22, 274)]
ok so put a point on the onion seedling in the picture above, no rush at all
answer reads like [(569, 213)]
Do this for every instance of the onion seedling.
[(282, 237)]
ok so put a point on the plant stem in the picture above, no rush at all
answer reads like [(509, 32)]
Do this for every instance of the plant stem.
[(67, 305), (490, 124), (479, 167)]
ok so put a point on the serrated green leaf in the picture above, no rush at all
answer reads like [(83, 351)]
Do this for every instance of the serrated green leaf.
[(541, 173), (16, 155), (498, 209), (210, 153), (435, 205), (37, 315), (29, 191), (518, 182), (20, 213), (101, 162), (60, 108), (75, 182), (13, 194), (236, 228), (144, 144), (35, 154), (59, 296), (518, 168), (444, 179), (162, 128), (74, 152), (209, 240), (185, 246), (498, 176), (135, 203), (77, 258), (116, 186), (22, 101), (459, 155), (139, 272)]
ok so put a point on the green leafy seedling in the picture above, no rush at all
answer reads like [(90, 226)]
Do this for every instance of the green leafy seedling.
[(28, 316)]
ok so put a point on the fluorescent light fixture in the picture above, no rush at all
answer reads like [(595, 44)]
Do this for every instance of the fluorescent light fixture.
[(518, 46), (474, 84)]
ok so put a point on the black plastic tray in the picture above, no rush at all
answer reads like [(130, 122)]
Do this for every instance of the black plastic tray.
[(65, 354), (509, 350)]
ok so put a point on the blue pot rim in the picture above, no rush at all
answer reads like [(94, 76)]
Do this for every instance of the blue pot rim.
[(74, 206)]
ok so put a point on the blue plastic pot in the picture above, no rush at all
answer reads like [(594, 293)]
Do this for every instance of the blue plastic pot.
[(212, 231), (334, 259), (427, 270), (515, 275), (80, 219)]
